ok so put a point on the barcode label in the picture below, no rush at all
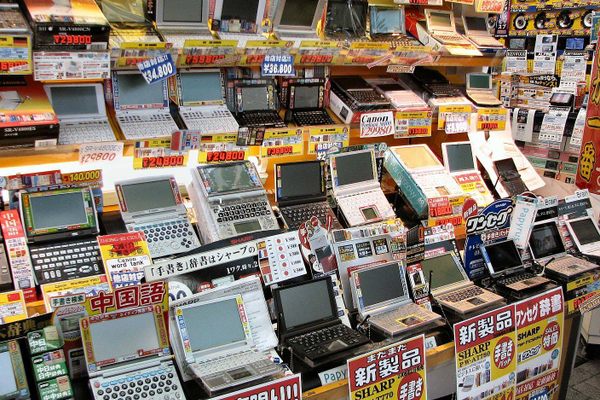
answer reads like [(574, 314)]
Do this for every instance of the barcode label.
[(45, 143), (98, 46)]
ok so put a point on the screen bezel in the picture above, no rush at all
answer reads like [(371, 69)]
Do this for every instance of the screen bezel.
[(475, 74), (99, 99), (260, 11), (160, 22), (582, 247), (181, 89), (432, 28), (143, 106), (541, 224), (239, 90), (490, 267), (474, 32), (375, 9), (357, 292), (278, 182), (297, 28), (334, 174), (130, 214), (292, 99), (450, 286), (205, 182), (446, 158)]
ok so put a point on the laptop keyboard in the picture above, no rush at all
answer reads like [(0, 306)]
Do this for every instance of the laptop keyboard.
[(367, 96), (570, 265), (214, 121), (168, 237), (85, 132), (462, 294), (312, 117), (146, 126), (63, 261), (296, 215), (237, 212), (523, 276), (485, 41), (452, 39), (314, 343), (231, 361), (404, 317), (260, 118)]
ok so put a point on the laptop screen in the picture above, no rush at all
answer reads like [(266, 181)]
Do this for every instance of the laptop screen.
[(545, 240), (299, 12), (460, 157), (476, 24), (480, 81), (386, 20), (503, 255), (255, 98), (354, 167), (416, 157), (308, 303), (8, 384), (229, 178), (306, 96), (133, 90), (148, 195), (202, 321), (446, 270), (113, 339), (346, 17), (585, 230), (381, 284), (182, 10), (244, 10), (440, 19), (74, 100), (200, 86), (301, 179), (505, 165)]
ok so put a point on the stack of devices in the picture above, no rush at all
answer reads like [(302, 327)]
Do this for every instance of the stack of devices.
[(218, 346), (479, 90), (142, 110), (451, 288), (297, 20), (306, 104), (181, 20), (586, 235), (509, 177), (256, 104), (154, 206), (202, 102), (121, 364), (230, 200), (356, 188), (81, 112), (309, 324), (61, 226), (476, 31), (240, 19), (301, 194), (381, 295), (504, 264), (548, 250)]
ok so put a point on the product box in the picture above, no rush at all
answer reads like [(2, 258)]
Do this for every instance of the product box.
[(49, 365), (66, 25), (55, 389), (26, 115), (20, 389), (44, 340), (15, 41)]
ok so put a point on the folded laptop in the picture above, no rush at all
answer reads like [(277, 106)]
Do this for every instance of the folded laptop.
[(441, 25), (479, 89), (300, 193), (476, 31), (181, 20), (154, 206), (127, 353), (452, 289), (202, 102), (297, 20), (240, 20), (142, 110), (356, 188), (548, 249), (61, 226), (81, 111), (585, 234), (381, 295), (306, 104), (218, 346), (504, 263), (308, 322)]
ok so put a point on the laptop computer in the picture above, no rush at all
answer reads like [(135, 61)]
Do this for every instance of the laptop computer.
[(479, 89), (306, 104), (356, 188), (142, 110), (461, 163), (297, 20), (509, 176), (548, 249), (81, 111), (441, 25), (387, 24), (506, 268), (230, 200), (61, 227), (224, 355), (308, 322), (451, 288), (359, 92), (181, 20), (127, 352), (256, 104), (381, 295), (202, 102), (300, 193), (240, 20), (154, 206), (585, 234), (476, 31), (344, 21)]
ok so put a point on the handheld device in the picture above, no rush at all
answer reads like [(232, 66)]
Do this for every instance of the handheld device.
[(476, 31), (181, 20), (81, 111), (479, 89), (230, 200), (300, 193), (346, 19), (359, 91), (256, 104), (381, 294), (202, 102), (61, 226), (154, 206), (306, 104), (435, 83), (297, 20), (308, 322), (240, 19), (356, 188), (585, 234), (510, 177), (387, 23), (441, 27), (13, 383)]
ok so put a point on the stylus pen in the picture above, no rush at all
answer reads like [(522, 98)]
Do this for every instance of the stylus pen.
[(430, 278)]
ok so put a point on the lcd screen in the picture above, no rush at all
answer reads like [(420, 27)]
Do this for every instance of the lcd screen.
[(182, 11), (255, 98), (586, 231), (480, 81), (416, 157), (306, 303), (381, 284), (148, 195), (460, 157), (229, 178), (244, 10), (199, 86), (445, 271), (439, 19), (354, 168), (299, 12), (386, 20), (476, 24), (58, 210), (134, 90), (300, 180), (74, 100), (503, 255), (306, 97), (545, 240)]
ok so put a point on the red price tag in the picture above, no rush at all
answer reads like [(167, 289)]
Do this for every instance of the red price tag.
[(163, 161), (279, 151), (221, 156), (72, 39), (203, 59), (316, 59)]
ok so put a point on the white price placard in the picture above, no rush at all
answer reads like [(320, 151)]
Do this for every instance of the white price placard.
[(100, 152)]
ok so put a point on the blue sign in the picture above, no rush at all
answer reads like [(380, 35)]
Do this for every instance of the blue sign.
[(278, 65), (158, 68)]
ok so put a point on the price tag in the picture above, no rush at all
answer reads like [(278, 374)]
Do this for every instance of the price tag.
[(91, 152), (553, 126), (278, 65), (158, 68), (171, 160), (491, 119), (516, 61)]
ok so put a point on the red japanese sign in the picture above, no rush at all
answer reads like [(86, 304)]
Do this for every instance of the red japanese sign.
[(288, 388), (396, 372)]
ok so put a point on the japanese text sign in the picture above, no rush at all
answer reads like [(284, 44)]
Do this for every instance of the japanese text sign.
[(288, 388), (158, 68)]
